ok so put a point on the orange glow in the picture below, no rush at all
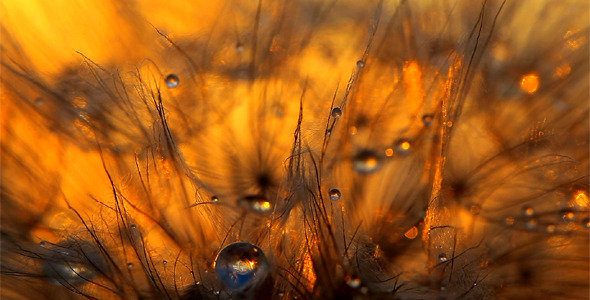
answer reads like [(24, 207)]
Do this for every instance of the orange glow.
[(405, 145), (413, 85), (581, 199), (308, 271), (389, 152), (530, 83), (412, 233)]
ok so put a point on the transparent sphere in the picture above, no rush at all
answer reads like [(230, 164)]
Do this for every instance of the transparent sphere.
[(336, 112), (402, 147), (72, 263), (366, 162), (427, 119), (241, 266), (360, 63), (335, 194), (172, 80)]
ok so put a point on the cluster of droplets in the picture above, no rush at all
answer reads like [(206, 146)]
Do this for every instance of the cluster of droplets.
[(566, 220)]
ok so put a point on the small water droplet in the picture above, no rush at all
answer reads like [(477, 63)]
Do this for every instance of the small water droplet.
[(172, 80), (42, 244), (240, 47), (475, 209), (550, 228), (389, 152), (366, 162), (527, 211), (257, 203), (402, 147), (586, 223), (165, 262), (133, 226), (567, 215), (336, 112), (509, 221), (442, 257), (328, 132), (214, 199), (240, 266), (353, 282), (335, 194), (427, 119), (360, 63), (531, 224), (130, 266)]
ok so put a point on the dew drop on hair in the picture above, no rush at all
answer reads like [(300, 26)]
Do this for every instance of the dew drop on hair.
[(172, 81), (335, 194), (241, 266), (366, 162), (336, 112)]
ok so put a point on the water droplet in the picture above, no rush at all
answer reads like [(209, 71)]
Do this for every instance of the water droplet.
[(335, 194), (567, 215), (73, 263), (531, 224), (442, 257), (364, 290), (353, 282), (42, 244), (130, 266), (402, 147), (336, 112), (527, 211), (165, 262), (360, 63), (586, 223), (366, 162), (214, 199), (427, 119), (133, 226), (389, 152), (530, 83), (172, 80), (240, 47), (257, 203), (241, 266), (475, 209), (328, 132), (509, 221), (550, 228)]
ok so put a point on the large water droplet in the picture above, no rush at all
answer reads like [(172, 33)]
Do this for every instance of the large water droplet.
[(72, 263), (172, 80), (257, 203), (335, 194), (402, 147), (336, 112), (240, 266), (366, 162)]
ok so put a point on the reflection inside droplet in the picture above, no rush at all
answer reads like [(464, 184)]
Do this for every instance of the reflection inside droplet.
[(257, 203), (240, 266), (402, 147), (366, 162)]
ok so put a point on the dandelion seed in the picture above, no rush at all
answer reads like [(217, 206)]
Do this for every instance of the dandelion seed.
[(241, 266), (172, 81)]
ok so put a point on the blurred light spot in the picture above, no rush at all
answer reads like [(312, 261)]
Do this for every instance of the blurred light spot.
[(530, 83)]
